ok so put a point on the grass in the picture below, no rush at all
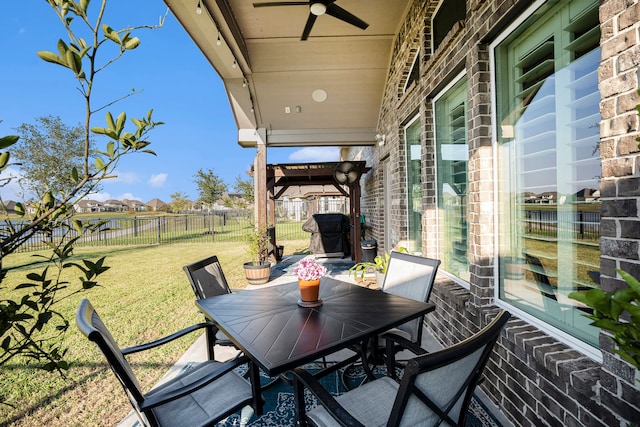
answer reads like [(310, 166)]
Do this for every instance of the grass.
[(145, 295)]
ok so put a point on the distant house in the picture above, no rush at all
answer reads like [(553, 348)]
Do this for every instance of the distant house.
[(89, 206), (10, 207), (113, 205), (135, 205), (156, 205)]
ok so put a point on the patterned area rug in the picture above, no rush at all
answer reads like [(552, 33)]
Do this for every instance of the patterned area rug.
[(279, 402)]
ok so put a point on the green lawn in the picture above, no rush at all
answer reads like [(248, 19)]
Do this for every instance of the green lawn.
[(145, 295)]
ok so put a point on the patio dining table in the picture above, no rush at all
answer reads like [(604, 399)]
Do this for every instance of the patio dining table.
[(278, 335)]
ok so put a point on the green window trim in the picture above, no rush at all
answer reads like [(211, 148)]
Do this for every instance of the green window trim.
[(547, 117)]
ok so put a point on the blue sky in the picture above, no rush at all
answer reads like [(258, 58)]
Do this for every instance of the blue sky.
[(174, 77)]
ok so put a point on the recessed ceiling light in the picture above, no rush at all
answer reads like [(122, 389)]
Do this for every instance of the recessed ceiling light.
[(319, 95)]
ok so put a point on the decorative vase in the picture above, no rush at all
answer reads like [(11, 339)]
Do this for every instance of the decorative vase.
[(309, 290)]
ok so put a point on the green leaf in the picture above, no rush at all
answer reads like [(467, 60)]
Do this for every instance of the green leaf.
[(111, 149), (84, 4), (99, 163), (53, 58), (8, 141), (110, 34), (132, 43), (74, 61), (19, 209), (74, 174), (110, 122), (62, 48), (4, 159), (77, 225), (631, 281), (120, 123)]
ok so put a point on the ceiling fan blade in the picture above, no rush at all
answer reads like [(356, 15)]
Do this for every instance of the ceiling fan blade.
[(307, 28), (282, 3), (340, 13)]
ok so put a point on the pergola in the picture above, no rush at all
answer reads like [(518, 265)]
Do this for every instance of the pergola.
[(280, 177)]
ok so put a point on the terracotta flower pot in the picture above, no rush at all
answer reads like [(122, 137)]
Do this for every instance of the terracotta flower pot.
[(309, 290)]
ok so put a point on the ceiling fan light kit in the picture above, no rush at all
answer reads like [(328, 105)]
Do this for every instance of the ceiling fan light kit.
[(319, 8)]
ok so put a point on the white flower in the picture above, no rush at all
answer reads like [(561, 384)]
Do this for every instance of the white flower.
[(309, 269)]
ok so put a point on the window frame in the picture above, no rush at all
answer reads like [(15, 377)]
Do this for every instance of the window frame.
[(573, 342), (454, 81), (407, 125)]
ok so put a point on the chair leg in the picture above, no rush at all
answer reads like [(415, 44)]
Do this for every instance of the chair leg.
[(211, 342)]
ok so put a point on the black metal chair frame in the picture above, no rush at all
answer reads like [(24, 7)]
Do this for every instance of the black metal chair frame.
[(369, 349), (89, 323), (407, 387), (213, 335)]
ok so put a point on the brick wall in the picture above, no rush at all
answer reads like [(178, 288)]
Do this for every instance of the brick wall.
[(533, 377)]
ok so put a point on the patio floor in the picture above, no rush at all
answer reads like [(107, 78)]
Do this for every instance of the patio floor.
[(283, 273)]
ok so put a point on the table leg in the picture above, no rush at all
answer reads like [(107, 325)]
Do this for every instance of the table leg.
[(254, 378)]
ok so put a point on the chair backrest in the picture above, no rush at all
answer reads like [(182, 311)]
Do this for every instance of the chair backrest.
[(410, 276), (439, 386), (206, 278), (95, 330)]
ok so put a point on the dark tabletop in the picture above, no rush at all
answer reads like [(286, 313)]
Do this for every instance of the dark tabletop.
[(277, 334)]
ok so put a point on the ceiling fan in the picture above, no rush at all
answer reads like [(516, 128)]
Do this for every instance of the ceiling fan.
[(346, 173), (318, 8)]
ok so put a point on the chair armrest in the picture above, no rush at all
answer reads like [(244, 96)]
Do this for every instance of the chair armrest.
[(324, 397), (168, 338), (163, 397), (391, 338)]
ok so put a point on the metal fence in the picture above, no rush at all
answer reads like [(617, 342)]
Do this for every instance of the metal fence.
[(216, 226)]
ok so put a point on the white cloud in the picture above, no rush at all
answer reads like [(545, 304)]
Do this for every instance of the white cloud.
[(127, 177), (158, 180), (128, 196), (100, 197), (315, 154)]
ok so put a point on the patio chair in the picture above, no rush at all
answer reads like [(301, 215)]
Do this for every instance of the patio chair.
[(410, 276), (435, 388), (207, 280), (201, 395)]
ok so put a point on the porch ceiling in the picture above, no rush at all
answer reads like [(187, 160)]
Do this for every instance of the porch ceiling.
[(276, 72)]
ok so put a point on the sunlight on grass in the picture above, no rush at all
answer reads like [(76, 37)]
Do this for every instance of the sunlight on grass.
[(144, 296)]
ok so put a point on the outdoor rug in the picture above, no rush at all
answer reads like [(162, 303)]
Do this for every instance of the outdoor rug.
[(279, 408)]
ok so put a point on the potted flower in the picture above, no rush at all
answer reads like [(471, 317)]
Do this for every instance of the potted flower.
[(378, 266), (258, 270), (309, 273)]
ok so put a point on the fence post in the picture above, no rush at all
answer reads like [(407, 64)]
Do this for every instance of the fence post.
[(159, 232), (212, 220)]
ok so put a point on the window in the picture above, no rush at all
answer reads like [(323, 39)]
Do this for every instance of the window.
[(547, 109), (414, 186), (449, 12), (414, 74), (452, 153)]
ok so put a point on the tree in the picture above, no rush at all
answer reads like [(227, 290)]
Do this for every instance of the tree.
[(245, 188), (30, 325), (210, 186), (47, 151), (179, 202)]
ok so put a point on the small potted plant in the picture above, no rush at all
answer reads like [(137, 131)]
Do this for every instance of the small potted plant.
[(309, 273), (258, 270), (378, 266)]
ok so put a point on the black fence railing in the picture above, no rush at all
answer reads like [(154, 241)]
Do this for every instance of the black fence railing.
[(216, 226)]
